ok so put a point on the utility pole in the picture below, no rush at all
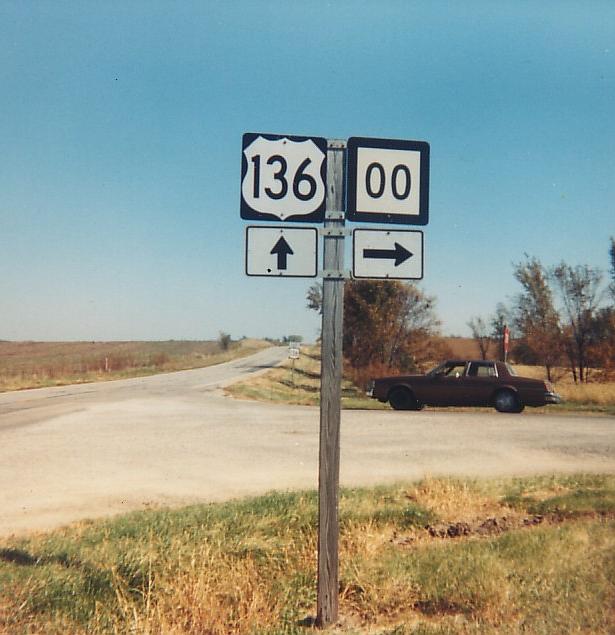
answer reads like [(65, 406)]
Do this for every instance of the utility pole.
[(331, 387)]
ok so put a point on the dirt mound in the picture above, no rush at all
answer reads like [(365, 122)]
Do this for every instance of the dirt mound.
[(487, 527), (493, 526)]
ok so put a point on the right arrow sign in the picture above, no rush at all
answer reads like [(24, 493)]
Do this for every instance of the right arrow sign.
[(399, 254), (383, 253)]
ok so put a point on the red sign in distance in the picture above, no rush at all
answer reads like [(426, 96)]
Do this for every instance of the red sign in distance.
[(506, 339)]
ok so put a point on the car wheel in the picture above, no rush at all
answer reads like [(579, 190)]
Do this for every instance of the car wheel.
[(403, 399), (507, 401)]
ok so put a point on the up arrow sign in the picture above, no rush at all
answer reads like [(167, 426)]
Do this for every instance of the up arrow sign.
[(399, 254), (382, 253), (268, 250), (282, 250)]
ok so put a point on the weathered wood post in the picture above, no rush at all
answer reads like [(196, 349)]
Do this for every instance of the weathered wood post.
[(331, 386)]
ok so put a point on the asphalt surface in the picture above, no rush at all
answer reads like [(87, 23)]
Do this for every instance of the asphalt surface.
[(94, 450)]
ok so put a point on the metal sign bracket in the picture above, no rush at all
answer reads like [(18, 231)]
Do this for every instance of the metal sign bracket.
[(335, 215), (333, 274), (334, 232)]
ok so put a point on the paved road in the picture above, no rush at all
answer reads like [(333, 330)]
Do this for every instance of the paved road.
[(93, 450)]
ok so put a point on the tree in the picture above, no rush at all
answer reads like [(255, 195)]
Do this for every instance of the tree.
[(612, 267), (481, 335), (535, 316), (314, 297), (288, 339), (387, 323), (580, 294), (389, 326), (224, 341), (602, 340)]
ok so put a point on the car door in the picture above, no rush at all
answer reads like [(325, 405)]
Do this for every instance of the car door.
[(445, 387), (480, 383)]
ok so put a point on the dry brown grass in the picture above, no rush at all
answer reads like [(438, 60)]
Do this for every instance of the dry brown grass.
[(596, 392), (593, 394), (204, 592), (454, 499)]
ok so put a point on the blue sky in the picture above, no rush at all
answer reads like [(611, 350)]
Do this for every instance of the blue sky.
[(121, 126)]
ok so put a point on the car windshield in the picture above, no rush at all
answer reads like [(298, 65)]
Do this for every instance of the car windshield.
[(511, 370), (438, 370), (449, 369)]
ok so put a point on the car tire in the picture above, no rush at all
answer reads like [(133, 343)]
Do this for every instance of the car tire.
[(403, 399), (507, 401)]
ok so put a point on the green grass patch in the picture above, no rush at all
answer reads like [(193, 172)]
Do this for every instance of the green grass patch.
[(248, 566), (578, 502)]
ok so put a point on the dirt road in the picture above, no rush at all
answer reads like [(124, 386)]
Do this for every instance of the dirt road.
[(93, 450)]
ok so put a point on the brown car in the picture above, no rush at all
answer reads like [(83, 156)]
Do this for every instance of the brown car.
[(464, 383)]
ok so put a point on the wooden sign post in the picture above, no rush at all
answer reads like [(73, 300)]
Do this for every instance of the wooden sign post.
[(331, 387)]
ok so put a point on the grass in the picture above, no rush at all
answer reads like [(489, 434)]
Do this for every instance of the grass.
[(595, 396), (248, 566), (39, 364), (300, 385), (298, 382)]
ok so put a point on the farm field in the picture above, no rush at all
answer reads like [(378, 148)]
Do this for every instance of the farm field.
[(40, 364)]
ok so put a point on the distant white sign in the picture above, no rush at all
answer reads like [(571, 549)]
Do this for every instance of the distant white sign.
[(383, 253), (283, 178), (293, 353), (282, 252)]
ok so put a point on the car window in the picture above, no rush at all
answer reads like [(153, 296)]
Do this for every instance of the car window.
[(480, 369), (454, 370), (438, 370)]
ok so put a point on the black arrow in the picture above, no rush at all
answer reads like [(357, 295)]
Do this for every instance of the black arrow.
[(282, 250), (400, 254)]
